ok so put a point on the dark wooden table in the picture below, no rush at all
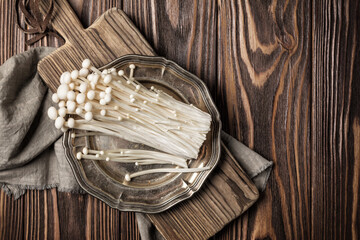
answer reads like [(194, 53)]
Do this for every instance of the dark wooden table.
[(286, 78)]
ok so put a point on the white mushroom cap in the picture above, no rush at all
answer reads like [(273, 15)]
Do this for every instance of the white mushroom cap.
[(67, 77), (62, 91), (62, 112), (88, 116), (86, 63), (102, 102), (83, 87), (127, 177), (79, 155), (107, 98), (132, 66), (91, 95), (85, 151), (83, 72), (55, 98), (59, 122), (71, 106), (78, 111), (88, 107), (62, 77), (121, 73), (74, 74), (70, 95), (107, 79), (80, 98), (71, 123), (52, 113), (61, 104), (103, 112)]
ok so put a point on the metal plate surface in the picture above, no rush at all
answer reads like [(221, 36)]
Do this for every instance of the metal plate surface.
[(150, 193)]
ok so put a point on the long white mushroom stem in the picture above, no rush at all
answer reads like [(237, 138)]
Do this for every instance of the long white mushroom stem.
[(128, 177), (137, 157), (132, 156), (115, 104)]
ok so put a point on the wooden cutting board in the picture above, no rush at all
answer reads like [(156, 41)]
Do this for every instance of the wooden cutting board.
[(225, 195), (109, 37)]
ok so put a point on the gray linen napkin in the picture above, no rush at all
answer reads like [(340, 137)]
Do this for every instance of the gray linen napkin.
[(32, 155)]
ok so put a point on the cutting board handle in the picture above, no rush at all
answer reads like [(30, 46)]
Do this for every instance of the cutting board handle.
[(64, 20)]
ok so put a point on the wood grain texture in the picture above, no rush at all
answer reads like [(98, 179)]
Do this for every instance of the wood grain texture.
[(264, 55), (335, 120), (285, 75)]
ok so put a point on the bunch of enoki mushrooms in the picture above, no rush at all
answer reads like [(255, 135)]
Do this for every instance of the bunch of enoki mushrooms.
[(111, 103)]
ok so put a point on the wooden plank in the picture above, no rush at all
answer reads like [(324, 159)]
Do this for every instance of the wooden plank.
[(182, 31), (335, 121), (264, 95), (10, 219)]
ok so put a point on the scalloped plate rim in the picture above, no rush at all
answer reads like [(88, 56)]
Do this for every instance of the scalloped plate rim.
[(189, 191)]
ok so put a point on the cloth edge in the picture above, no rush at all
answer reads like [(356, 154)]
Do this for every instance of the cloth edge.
[(18, 190)]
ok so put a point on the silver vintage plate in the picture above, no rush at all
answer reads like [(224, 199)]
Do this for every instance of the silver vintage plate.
[(150, 193)]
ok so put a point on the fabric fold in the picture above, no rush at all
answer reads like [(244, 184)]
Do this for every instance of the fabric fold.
[(32, 155), (256, 167), (25, 131)]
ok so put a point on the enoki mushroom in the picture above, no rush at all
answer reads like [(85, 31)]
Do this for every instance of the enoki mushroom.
[(140, 157), (115, 104), (136, 156)]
